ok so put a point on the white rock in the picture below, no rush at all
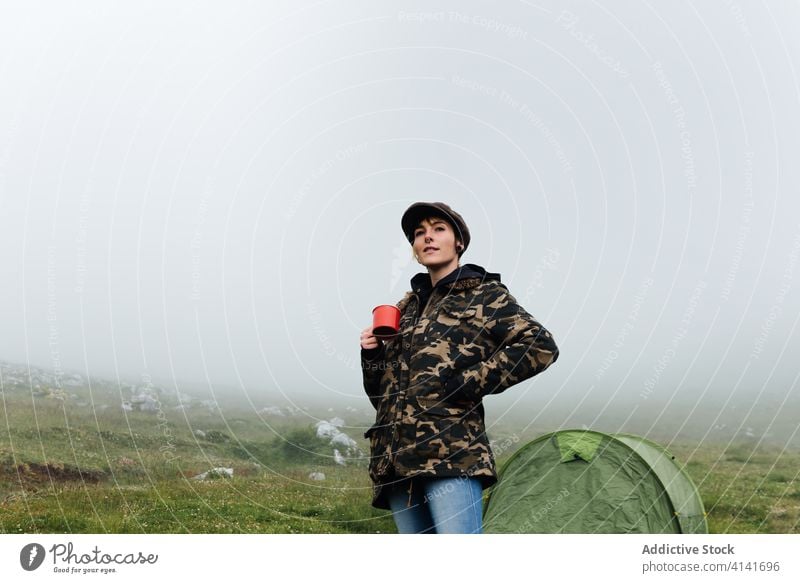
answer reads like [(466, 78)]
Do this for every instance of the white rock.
[(344, 440), (149, 404), (316, 476), (330, 430), (326, 429), (273, 410), (338, 458), (215, 472)]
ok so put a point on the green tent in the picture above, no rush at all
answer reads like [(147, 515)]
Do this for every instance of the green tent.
[(581, 481)]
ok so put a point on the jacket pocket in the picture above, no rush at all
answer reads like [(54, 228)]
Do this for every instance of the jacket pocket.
[(457, 324), (443, 428), (379, 462), (461, 311), (453, 315), (467, 344), (439, 408)]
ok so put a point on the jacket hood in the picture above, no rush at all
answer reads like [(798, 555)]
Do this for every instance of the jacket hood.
[(421, 282)]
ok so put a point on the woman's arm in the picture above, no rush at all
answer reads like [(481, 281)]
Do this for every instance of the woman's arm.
[(372, 360), (525, 348), (373, 357)]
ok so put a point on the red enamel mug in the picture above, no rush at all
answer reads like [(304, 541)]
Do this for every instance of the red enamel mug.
[(385, 321)]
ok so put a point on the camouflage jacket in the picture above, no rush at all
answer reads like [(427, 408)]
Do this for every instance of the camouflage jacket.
[(470, 340)]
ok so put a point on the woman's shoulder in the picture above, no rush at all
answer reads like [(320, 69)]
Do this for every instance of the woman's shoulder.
[(492, 287), (404, 300)]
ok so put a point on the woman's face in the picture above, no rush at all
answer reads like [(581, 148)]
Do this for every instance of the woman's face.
[(435, 242)]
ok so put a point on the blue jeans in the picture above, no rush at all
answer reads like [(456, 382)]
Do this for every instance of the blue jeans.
[(438, 506)]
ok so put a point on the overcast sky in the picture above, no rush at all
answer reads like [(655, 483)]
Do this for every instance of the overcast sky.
[(212, 192)]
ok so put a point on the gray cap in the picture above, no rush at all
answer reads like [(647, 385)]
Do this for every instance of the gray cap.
[(419, 210)]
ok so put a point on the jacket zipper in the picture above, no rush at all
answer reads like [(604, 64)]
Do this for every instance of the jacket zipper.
[(393, 449)]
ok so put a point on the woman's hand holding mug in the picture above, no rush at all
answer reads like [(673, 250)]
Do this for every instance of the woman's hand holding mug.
[(385, 322), (368, 340)]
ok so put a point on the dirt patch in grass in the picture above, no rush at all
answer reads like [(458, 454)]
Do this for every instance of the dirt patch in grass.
[(33, 475)]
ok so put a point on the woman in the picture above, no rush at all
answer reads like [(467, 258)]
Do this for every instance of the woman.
[(462, 336)]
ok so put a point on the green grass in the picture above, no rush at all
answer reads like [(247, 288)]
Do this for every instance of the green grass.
[(288, 503), (745, 488), (65, 470)]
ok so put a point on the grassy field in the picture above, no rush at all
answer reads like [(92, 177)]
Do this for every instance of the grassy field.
[(69, 469)]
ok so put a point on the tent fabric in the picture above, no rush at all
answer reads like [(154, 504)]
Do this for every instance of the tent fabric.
[(577, 445), (686, 500), (583, 481)]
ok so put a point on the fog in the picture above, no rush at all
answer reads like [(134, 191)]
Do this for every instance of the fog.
[(210, 194)]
